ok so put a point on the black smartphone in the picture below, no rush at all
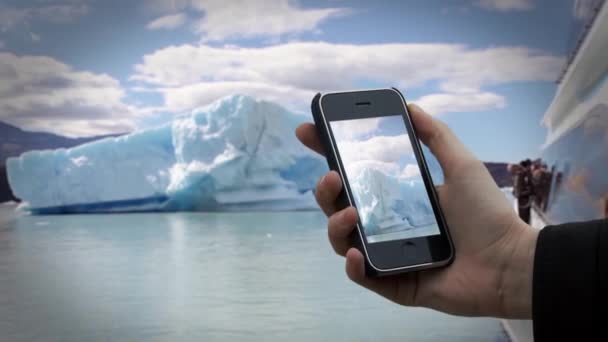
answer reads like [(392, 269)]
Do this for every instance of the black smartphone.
[(369, 139)]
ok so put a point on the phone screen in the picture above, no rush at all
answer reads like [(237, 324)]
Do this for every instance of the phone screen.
[(384, 178)]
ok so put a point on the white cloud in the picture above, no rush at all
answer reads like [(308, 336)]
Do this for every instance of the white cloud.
[(189, 76), (355, 129), (247, 18), (179, 99), (168, 22), (58, 13), (387, 149), (410, 170), (220, 20), (382, 153), (358, 150), (41, 93), (505, 5), (461, 102)]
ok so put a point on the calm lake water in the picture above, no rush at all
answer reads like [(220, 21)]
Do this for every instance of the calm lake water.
[(196, 277)]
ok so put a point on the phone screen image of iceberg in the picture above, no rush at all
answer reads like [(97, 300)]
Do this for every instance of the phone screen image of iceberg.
[(384, 178)]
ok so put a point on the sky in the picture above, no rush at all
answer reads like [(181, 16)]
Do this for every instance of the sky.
[(380, 143), (88, 67)]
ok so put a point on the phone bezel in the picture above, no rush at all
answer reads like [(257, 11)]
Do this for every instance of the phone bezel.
[(402, 254)]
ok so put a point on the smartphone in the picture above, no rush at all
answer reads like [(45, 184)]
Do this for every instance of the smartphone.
[(369, 139)]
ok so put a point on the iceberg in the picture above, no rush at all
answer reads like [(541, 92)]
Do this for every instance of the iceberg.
[(237, 153), (375, 195), (386, 203)]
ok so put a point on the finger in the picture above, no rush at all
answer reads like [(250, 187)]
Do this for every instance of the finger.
[(400, 288), (307, 134), (339, 228), (440, 139), (327, 191), (439, 189)]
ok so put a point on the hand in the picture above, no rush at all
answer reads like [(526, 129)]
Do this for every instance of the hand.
[(492, 271)]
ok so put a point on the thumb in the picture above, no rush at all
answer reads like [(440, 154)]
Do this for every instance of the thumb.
[(443, 143)]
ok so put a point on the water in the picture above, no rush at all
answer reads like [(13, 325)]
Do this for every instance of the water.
[(196, 277)]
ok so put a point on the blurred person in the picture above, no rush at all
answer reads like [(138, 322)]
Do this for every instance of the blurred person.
[(541, 185), (523, 188)]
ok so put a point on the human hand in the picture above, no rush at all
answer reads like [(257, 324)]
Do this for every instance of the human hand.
[(492, 270)]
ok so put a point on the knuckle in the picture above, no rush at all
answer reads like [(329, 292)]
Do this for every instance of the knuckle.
[(333, 225), (336, 244), (330, 226)]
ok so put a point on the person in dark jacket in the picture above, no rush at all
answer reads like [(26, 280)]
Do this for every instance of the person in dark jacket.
[(523, 188), (557, 276)]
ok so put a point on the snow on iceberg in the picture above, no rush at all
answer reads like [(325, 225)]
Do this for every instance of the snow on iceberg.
[(235, 154)]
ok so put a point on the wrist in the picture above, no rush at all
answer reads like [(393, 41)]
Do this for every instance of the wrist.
[(515, 289)]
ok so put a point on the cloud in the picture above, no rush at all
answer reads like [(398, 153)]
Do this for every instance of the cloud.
[(387, 149), (291, 73), (362, 146), (355, 129), (12, 18), (219, 20), (35, 37), (168, 22), (382, 153), (410, 170), (179, 99), (41, 93), (390, 168), (461, 102), (248, 18), (505, 5)]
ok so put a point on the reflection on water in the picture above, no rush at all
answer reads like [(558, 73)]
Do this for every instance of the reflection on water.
[(195, 276)]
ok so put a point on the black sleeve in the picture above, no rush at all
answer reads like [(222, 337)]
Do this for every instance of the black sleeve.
[(570, 282)]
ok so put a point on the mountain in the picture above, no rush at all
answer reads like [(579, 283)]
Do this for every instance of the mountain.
[(5, 190), (15, 141), (499, 172)]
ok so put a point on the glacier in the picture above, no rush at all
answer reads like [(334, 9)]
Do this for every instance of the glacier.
[(238, 153)]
